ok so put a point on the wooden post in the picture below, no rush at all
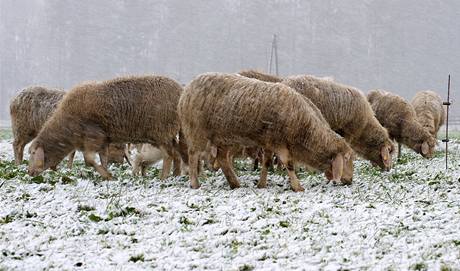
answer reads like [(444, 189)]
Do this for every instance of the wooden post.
[(447, 104)]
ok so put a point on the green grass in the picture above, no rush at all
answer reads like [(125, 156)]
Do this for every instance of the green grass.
[(6, 133), (452, 134)]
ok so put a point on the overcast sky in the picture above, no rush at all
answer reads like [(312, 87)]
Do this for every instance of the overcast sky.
[(400, 46)]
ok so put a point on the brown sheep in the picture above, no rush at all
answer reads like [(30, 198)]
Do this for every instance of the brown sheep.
[(29, 110), (92, 115), (229, 110), (399, 117), (430, 111), (348, 113)]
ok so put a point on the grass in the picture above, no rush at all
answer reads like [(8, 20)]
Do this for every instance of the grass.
[(6, 133)]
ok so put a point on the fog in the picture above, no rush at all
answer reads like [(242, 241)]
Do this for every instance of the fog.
[(400, 46)]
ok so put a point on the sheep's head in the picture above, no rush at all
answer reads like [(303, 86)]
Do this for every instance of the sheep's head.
[(426, 146), (385, 161), (39, 161), (341, 168)]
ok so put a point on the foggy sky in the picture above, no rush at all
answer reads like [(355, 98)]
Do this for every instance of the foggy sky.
[(400, 46)]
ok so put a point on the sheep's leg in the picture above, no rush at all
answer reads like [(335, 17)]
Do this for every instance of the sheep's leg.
[(18, 148), (399, 151), (167, 161), (223, 156), (89, 158), (194, 158), (266, 158), (104, 156), (289, 163), (256, 164), (71, 157), (176, 165)]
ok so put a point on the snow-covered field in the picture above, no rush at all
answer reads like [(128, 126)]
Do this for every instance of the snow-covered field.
[(408, 218)]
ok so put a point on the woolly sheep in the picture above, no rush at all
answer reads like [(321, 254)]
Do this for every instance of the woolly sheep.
[(429, 110), (29, 110), (348, 113), (92, 115), (229, 110), (399, 117)]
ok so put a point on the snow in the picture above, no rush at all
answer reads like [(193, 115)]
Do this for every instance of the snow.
[(407, 218)]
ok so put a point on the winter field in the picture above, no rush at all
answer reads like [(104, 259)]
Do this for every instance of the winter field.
[(408, 218)]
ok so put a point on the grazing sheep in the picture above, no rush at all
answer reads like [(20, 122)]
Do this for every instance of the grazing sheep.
[(29, 110), (348, 113), (430, 111), (92, 115), (228, 110), (261, 76), (399, 117)]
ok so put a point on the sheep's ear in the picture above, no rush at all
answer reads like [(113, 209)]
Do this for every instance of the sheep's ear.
[(386, 157), (337, 168), (39, 158), (425, 148)]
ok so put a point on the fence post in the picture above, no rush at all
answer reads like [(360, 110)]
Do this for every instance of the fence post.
[(447, 104)]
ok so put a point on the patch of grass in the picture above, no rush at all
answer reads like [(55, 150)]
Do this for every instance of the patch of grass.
[(284, 224), (85, 208), (137, 258), (419, 266), (246, 267), (8, 170), (123, 212), (234, 246), (6, 133), (7, 219), (95, 218)]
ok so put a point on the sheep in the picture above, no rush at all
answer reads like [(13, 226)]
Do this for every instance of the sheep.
[(260, 76), (228, 110), (400, 119), (133, 109), (430, 111), (148, 155), (349, 114), (29, 110)]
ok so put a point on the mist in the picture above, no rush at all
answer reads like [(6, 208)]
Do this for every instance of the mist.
[(399, 46)]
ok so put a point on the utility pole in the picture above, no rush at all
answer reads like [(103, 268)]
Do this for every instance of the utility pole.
[(274, 56), (447, 104)]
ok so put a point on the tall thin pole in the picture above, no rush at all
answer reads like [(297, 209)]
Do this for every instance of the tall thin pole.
[(275, 41), (447, 104), (274, 56)]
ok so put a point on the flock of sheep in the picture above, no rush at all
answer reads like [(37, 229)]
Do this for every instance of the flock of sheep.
[(298, 120)]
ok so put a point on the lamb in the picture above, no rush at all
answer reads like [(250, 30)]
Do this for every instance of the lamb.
[(29, 110), (92, 115), (147, 156), (429, 110), (348, 113), (399, 117), (229, 110)]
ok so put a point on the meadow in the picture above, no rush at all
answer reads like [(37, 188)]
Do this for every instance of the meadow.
[(407, 218)]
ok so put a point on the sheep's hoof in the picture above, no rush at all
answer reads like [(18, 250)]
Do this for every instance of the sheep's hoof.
[(298, 189), (235, 185), (262, 184), (107, 177)]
